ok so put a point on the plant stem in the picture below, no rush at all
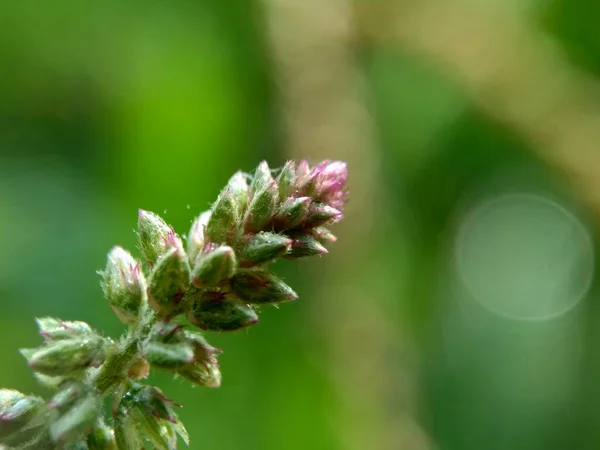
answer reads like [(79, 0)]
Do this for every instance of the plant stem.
[(114, 370)]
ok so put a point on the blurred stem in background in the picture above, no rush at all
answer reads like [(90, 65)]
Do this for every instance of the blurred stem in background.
[(509, 69), (325, 115)]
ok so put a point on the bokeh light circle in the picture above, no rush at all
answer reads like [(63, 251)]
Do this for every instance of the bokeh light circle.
[(524, 256)]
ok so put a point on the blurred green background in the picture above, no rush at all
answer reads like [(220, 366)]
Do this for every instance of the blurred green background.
[(480, 327)]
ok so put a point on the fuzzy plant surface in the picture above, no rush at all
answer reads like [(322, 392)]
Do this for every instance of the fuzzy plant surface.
[(217, 281)]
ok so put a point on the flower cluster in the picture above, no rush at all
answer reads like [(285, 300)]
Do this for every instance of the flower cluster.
[(215, 282)]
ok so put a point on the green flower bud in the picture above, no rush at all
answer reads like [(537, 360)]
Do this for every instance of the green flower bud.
[(265, 196), (55, 329), (262, 178), (66, 356), (166, 332), (102, 437), (292, 213), (170, 432), (152, 399), (204, 353), (34, 435), (321, 214), (214, 267), (223, 221), (70, 391), (168, 356), (287, 180), (207, 375), (154, 429), (127, 431), (262, 287), (262, 208), (144, 407), (44, 380), (155, 237), (78, 420), (323, 235), (306, 246), (124, 285), (212, 311), (170, 333), (238, 185), (17, 410), (196, 237), (168, 282), (264, 247)]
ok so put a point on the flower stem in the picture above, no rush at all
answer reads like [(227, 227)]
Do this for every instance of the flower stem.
[(114, 370)]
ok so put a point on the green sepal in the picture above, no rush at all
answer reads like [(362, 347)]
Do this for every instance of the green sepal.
[(168, 282), (17, 410), (53, 329), (70, 391), (264, 247), (292, 213), (262, 179), (306, 245), (207, 375), (262, 208), (78, 420), (261, 286), (240, 191), (323, 235), (196, 237), (321, 214), (155, 237), (223, 221), (168, 356), (66, 356), (124, 285), (218, 313), (214, 267), (286, 180), (102, 437)]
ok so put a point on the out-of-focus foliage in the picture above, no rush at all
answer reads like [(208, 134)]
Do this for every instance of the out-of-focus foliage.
[(112, 106)]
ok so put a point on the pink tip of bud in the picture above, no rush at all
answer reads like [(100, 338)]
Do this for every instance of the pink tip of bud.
[(135, 270), (324, 182), (303, 168), (168, 419), (319, 169), (331, 184), (171, 239), (336, 169)]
